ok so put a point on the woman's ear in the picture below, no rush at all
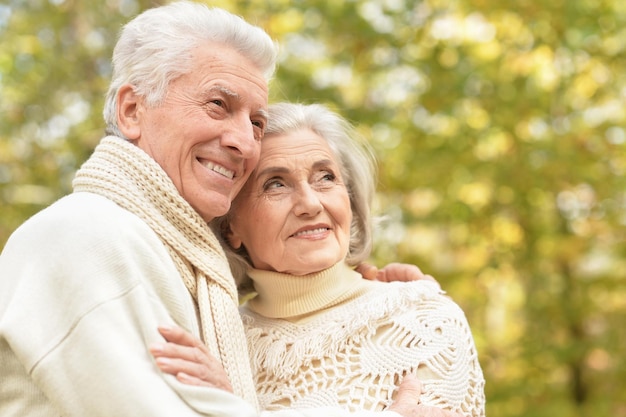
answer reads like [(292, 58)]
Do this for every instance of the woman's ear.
[(230, 237), (128, 106), (234, 241)]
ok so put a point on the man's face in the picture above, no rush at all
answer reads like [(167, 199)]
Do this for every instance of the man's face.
[(207, 132)]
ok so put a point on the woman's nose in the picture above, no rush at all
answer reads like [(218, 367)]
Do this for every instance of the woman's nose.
[(307, 202)]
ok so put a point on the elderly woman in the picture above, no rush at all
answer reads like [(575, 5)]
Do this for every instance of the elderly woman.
[(318, 334)]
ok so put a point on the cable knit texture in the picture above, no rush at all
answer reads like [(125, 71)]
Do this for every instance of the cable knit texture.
[(335, 339), (123, 173)]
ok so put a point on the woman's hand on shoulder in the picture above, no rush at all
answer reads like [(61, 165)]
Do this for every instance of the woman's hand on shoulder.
[(186, 357)]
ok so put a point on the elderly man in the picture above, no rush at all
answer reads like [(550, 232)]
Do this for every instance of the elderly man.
[(85, 283)]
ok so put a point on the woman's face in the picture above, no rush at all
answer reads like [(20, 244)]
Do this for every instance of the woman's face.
[(293, 215)]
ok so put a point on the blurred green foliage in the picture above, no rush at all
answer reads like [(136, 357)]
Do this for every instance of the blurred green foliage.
[(501, 132)]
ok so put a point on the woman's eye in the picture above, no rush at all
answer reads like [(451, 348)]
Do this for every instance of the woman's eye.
[(328, 176), (272, 184), (325, 180)]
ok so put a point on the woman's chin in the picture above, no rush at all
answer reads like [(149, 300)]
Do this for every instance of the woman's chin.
[(311, 267)]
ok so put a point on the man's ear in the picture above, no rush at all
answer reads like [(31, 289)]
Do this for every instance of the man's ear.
[(128, 108)]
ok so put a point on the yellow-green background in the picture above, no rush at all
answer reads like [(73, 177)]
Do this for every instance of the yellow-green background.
[(501, 132)]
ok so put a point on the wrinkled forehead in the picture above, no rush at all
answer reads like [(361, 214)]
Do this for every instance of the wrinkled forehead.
[(220, 64)]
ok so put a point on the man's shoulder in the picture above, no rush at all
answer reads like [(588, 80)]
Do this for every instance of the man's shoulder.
[(81, 206), (85, 212), (82, 236), (81, 220)]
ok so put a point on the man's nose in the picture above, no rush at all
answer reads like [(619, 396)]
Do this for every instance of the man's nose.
[(239, 137)]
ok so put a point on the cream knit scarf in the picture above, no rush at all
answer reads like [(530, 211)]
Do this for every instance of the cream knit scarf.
[(123, 173)]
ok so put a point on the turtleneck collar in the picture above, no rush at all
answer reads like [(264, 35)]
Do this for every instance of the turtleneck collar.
[(285, 295)]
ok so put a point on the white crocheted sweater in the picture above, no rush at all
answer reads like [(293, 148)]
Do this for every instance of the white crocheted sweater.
[(336, 339)]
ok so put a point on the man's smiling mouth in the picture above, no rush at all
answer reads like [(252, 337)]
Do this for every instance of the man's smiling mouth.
[(219, 169)]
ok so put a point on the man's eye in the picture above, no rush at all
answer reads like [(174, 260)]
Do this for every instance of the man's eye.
[(217, 102), (259, 129)]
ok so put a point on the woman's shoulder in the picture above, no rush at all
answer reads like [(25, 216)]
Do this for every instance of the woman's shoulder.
[(411, 298), (419, 290)]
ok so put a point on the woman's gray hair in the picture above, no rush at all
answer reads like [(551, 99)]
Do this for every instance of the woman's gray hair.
[(358, 169), (156, 47)]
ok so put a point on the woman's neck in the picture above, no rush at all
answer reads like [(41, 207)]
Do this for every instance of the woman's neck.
[(291, 297)]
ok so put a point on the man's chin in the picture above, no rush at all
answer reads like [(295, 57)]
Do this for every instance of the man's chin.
[(213, 207)]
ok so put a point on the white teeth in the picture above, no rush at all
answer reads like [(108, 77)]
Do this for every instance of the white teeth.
[(220, 170), (311, 232)]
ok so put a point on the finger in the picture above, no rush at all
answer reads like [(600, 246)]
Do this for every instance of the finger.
[(179, 336), (411, 272), (208, 374), (368, 271), (400, 272), (202, 370), (175, 366), (174, 358), (383, 276), (432, 279), (410, 388), (182, 344), (408, 397), (192, 380)]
